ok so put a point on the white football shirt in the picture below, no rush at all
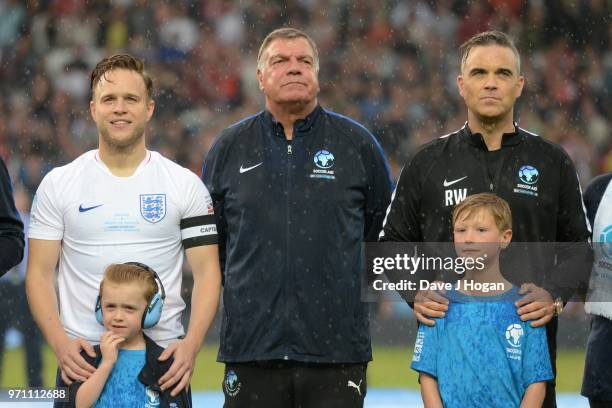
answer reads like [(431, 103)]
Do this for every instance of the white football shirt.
[(101, 219)]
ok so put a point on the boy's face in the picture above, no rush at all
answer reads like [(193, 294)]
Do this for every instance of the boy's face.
[(122, 308), (477, 235)]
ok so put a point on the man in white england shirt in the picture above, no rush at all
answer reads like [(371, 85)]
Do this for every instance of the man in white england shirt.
[(121, 203)]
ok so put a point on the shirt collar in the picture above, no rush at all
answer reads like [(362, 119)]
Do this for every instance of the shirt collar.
[(476, 139), (302, 127)]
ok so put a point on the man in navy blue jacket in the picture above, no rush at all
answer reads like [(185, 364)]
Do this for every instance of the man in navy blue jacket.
[(11, 227), (296, 190)]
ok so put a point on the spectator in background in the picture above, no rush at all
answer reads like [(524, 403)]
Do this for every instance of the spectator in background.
[(211, 47), (14, 310)]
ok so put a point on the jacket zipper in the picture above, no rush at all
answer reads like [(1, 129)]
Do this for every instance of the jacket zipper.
[(485, 169), (288, 252), (495, 181)]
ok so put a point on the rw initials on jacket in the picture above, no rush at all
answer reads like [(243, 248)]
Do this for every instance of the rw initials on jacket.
[(454, 196)]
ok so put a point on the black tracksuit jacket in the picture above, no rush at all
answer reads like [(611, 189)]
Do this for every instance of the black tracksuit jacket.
[(291, 217), (546, 207), (11, 227)]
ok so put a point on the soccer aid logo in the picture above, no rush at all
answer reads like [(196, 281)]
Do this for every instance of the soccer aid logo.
[(232, 386), (528, 174), (152, 398), (606, 241), (514, 332), (324, 159)]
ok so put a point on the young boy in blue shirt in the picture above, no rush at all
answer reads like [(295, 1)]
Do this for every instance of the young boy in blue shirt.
[(128, 369), (481, 354)]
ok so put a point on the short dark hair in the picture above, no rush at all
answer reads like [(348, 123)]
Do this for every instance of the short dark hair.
[(121, 61), (288, 33), (487, 38)]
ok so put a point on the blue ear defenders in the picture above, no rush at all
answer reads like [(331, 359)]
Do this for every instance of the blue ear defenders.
[(152, 313)]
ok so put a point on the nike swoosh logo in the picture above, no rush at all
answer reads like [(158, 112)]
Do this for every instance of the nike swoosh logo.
[(450, 183), (83, 209), (245, 169)]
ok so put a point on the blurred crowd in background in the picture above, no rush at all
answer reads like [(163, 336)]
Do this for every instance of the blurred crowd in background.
[(390, 64)]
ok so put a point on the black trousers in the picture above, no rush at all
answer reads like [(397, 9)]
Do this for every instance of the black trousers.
[(290, 384), (597, 381), (599, 404), (15, 312)]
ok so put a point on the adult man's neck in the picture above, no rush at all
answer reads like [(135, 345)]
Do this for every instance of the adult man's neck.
[(287, 114), (122, 162), (492, 131)]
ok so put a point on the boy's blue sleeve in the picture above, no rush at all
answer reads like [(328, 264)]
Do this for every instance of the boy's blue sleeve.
[(424, 358), (536, 359)]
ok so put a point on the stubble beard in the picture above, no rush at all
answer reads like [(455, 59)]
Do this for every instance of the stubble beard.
[(494, 121), (125, 144)]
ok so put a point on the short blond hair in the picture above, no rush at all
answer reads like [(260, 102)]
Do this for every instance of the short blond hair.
[(496, 206), (290, 34), (129, 273)]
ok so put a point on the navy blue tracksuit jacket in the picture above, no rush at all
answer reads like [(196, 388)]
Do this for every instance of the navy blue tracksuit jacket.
[(291, 217)]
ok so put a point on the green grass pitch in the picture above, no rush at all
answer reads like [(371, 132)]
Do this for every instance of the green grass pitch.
[(390, 369)]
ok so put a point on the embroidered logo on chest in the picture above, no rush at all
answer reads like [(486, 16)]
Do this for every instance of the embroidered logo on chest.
[(528, 177), (324, 161), (153, 207)]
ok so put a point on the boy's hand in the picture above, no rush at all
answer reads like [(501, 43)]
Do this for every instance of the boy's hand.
[(72, 365), (429, 303), (536, 305), (109, 346), (180, 371)]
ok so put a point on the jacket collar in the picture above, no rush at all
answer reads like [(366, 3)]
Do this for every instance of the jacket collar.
[(476, 139), (153, 368), (302, 127)]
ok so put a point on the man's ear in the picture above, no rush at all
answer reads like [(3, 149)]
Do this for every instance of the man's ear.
[(92, 109), (150, 109), (260, 79), (460, 84), (519, 86)]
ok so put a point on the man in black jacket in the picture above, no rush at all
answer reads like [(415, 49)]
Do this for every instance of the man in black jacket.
[(11, 227), (492, 154), (296, 190)]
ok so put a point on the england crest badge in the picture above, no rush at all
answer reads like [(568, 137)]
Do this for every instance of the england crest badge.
[(153, 207)]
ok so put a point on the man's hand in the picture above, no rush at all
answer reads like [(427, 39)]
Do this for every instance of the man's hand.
[(72, 365), (536, 305), (429, 303), (180, 371), (109, 346)]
